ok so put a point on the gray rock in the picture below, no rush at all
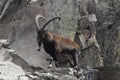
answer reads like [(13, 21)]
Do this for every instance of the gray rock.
[(9, 55), (109, 72), (10, 71)]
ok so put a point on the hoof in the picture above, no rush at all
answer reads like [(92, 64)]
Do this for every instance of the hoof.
[(50, 66), (76, 68)]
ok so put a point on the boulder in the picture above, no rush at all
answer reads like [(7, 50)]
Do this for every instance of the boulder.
[(10, 71), (9, 55)]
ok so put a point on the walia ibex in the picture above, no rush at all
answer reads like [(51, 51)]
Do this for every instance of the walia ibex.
[(56, 45)]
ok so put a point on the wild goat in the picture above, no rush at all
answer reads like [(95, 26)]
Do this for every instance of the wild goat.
[(56, 45)]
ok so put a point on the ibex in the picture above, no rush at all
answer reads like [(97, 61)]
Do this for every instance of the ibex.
[(56, 45)]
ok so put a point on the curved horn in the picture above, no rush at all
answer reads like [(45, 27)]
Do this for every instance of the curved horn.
[(36, 21), (50, 21)]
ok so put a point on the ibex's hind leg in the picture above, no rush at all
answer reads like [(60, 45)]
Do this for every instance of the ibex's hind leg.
[(51, 59), (75, 55)]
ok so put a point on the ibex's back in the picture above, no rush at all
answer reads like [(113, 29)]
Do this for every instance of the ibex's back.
[(65, 42)]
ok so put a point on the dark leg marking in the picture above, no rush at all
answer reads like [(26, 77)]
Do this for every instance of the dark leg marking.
[(75, 54)]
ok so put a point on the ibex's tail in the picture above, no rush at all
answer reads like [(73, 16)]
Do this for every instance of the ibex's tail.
[(36, 21), (50, 21)]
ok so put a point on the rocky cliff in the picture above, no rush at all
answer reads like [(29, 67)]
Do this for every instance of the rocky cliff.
[(17, 24)]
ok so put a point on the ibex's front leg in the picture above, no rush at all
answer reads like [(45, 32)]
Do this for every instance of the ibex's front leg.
[(57, 51), (53, 58), (50, 63)]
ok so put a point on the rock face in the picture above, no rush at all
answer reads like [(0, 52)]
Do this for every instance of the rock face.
[(10, 66), (18, 26), (109, 72), (109, 32), (9, 55), (10, 71), (22, 32)]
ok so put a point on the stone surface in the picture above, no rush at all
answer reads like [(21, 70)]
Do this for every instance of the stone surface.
[(109, 72), (10, 71), (64, 74), (108, 32), (20, 30), (9, 55), (18, 26)]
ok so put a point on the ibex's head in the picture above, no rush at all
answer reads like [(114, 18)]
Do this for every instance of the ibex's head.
[(40, 35), (41, 32)]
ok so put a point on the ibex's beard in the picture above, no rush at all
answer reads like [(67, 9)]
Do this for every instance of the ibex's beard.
[(39, 43), (40, 47)]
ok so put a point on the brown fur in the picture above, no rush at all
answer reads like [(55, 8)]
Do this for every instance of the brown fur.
[(65, 41)]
